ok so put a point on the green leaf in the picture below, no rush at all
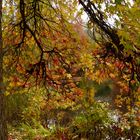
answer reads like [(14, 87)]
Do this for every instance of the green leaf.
[(118, 1)]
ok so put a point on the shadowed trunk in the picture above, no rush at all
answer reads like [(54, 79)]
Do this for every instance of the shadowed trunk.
[(3, 127)]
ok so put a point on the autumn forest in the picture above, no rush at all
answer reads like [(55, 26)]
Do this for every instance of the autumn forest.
[(69, 70)]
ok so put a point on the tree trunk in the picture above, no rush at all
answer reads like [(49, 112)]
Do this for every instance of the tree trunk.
[(3, 126)]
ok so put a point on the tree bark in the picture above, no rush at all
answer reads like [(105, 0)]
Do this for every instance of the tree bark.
[(3, 126)]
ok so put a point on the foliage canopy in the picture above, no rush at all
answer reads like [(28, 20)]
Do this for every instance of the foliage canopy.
[(48, 48)]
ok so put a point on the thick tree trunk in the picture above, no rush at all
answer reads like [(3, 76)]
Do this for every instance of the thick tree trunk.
[(3, 126)]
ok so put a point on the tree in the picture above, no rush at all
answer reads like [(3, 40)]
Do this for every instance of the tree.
[(113, 34), (3, 127), (39, 39), (31, 54), (119, 41)]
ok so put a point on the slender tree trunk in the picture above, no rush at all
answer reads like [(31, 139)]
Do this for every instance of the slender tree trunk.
[(3, 126)]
